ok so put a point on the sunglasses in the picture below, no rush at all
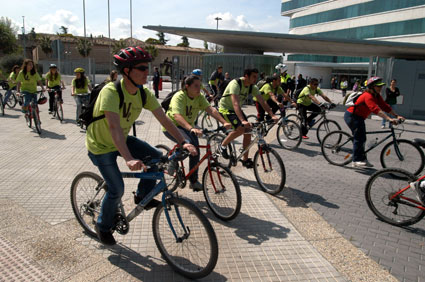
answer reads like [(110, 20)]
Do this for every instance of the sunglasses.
[(141, 68), (315, 84)]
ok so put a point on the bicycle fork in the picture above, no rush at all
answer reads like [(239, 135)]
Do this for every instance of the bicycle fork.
[(167, 208)]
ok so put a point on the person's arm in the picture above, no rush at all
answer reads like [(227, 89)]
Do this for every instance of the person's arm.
[(41, 85), (73, 90), (238, 111), (18, 87), (215, 114), (314, 99), (325, 97), (63, 84), (266, 107)]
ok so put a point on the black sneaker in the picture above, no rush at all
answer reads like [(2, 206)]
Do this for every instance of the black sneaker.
[(223, 152), (105, 237), (196, 186), (152, 204)]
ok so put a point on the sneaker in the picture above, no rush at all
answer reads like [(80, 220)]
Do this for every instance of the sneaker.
[(223, 152), (248, 163), (152, 204), (50, 112), (383, 126), (364, 163), (311, 123), (105, 237), (306, 137), (196, 186)]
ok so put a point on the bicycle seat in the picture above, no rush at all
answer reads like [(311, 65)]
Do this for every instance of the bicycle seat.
[(420, 142)]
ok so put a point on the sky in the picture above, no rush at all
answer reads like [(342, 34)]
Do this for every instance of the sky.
[(47, 16)]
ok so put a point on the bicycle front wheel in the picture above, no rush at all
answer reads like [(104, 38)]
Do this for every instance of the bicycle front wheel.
[(87, 193), (337, 148), (252, 118), (288, 134), (269, 170), (59, 111), (11, 102), (1, 106), (222, 192), (399, 210), (295, 118), (215, 141), (193, 249), (209, 123), (36, 118), (326, 127), (411, 157)]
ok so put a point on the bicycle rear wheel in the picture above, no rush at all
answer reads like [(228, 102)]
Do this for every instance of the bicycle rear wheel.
[(398, 211), (59, 110), (215, 141), (194, 252), (87, 192), (1, 105), (295, 118), (36, 118), (288, 134), (208, 122), (222, 192), (171, 180), (325, 127), (269, 170), (412, 156), (28, 119), (337, 148), (252, 118), (11, 102)]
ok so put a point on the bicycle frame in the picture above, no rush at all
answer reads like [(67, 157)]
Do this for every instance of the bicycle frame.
[(409, 202), (392, 134)]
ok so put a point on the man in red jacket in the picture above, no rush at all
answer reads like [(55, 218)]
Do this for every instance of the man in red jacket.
[(369, 102)]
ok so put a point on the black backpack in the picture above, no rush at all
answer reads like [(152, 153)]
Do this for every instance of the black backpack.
[(165, 104), (86, 116)]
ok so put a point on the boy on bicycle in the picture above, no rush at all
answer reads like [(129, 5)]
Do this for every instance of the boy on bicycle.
[(107, 138), (230, 108)]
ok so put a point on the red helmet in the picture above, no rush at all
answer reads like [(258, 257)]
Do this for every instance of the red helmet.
[(374, 81), (131, 56), (42, 100)]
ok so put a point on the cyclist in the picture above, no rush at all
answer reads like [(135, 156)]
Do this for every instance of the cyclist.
[(27, 81), (273, 95), (113, 76), (12, 83), (308, 102), (215, 79), (369, 102), (80, 89), (184, 108), (54, 83), (208, 95), (108, 138), (285, 78), (230, 108)]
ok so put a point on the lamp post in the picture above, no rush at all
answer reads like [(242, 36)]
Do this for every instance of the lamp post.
[(23, 34), (217, 19), (131, 23), (109, 35)]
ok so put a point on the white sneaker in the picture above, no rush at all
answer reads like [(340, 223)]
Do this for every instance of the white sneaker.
[(383, 126), (365, 163)]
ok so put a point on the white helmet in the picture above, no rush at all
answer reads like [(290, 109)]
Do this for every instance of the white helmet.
[(281, 67)]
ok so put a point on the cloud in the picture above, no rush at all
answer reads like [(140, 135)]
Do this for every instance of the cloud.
[(51, 23), (230, 22), (120, 28)]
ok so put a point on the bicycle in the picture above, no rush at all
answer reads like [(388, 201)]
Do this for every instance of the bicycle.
[(396, 196), (269, 169), (1, 105), (288, 132), (85, 101), (12, 100), (337, 149), (325, 125), (221, 190), (33, 112), (57, 106), (182, 233)]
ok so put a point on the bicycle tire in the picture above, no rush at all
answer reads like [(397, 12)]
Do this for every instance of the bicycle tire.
[(1, 105), (86, 205), (295, 118), (337, 148), (180, 257), (171, 180), (410, 152), (59, 111), (28, 119), (215, 141), (326, 127), (36, 117), (252, 118), (289, 134), (265, 166), (222, 192), (209, 123), (11, 102), (385, 183)]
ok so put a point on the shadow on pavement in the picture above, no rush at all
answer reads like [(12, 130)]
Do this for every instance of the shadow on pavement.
[(145, 268), (6, 115), (312, 198), (52, 135)]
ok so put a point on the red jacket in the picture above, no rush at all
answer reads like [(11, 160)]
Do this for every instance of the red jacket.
[(368, 103)]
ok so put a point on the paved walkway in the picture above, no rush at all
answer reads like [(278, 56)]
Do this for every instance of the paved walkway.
[(273, 239)]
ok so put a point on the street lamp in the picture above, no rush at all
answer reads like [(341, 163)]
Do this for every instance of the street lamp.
[(217, 19), (23, 34)]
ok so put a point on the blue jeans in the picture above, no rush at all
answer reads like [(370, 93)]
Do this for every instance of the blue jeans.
[(80, 100), (7, 95), (358, 129), (193, 160), (108, 167), (384, 120), (28, 97)]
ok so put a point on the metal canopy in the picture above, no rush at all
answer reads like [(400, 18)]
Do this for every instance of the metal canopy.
[(298, 44)]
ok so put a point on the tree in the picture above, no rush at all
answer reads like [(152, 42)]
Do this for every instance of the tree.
[(185, 42), (152, 41), (84, 47), (152, 50), (205, 45), (8, 43), (32, 35), (118, 45), (161, 38), (64, 29), (46, 45)]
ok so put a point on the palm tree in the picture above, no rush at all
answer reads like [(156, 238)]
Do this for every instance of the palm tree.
[(118, 45), (46, 45), (64, 29), (161, 38), (152, 50), (84, 47), (185, 42)]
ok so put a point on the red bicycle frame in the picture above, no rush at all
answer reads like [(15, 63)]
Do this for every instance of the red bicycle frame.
[(399, 194)]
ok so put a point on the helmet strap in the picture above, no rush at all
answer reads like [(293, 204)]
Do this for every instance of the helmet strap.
[(140, 86)]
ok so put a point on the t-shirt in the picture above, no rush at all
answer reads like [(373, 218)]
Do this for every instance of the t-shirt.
[(304, 99), (225, 105), (83, 90), (368, 103), (343, 85), (391, 97), (28, 82), (267, 88), (52, 83), (189, 108), (13, 77), (215, 78), (98, 138)]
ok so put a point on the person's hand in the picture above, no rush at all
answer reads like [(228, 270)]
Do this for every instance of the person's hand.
[(72, 94), (191, 149), (275, 118), (227, 125), (246, 124), (293, 104), (196, 131), (394, 121), (280, 105), (136, 165), (401, 118)]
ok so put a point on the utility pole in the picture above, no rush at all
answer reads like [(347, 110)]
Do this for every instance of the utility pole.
[(217, 19), (23, 36), (131, 23), (109, 35)]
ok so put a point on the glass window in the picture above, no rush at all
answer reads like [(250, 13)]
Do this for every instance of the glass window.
[(295, 4)]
